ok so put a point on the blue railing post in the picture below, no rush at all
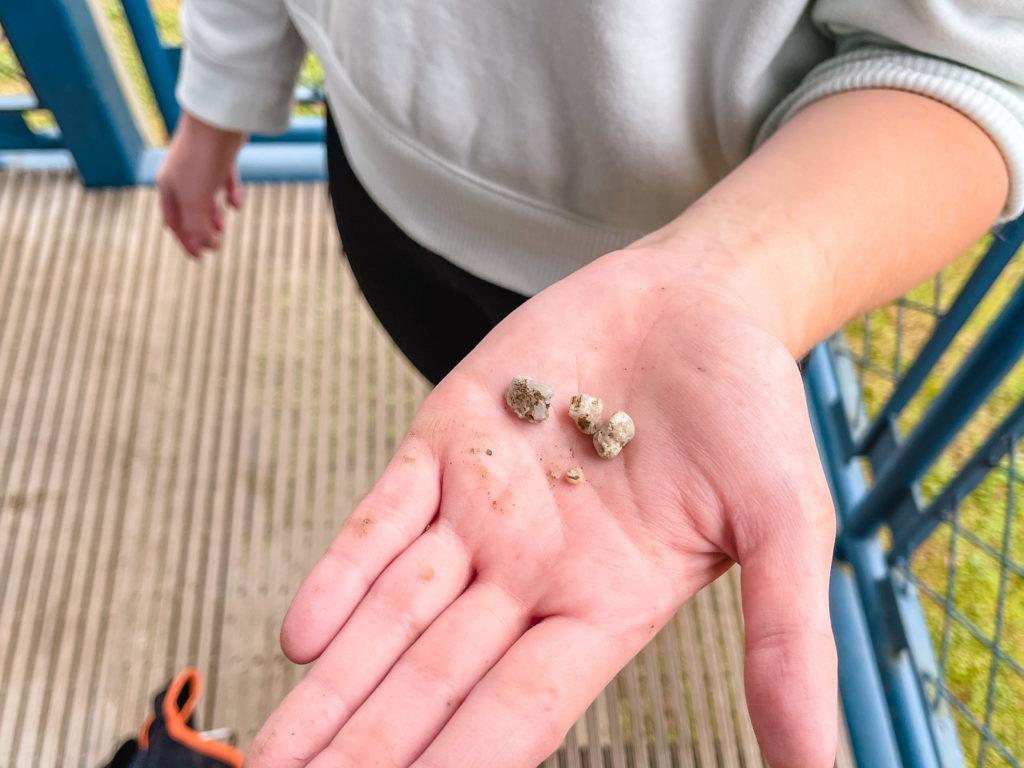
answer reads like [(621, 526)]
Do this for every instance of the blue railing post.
[(62, 53), (155, 58)]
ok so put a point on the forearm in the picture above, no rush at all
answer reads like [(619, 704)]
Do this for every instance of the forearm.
[(856, 200)]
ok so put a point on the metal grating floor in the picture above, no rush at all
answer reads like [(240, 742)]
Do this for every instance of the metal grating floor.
[(179, 441)]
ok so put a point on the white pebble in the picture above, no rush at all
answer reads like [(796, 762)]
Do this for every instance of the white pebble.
[(585, 410), (528, 398), (613, 435)]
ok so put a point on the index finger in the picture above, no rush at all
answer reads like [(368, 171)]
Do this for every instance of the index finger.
[(381, 527)]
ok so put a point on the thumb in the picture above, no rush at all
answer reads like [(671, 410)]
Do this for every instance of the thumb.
[(790, 665)]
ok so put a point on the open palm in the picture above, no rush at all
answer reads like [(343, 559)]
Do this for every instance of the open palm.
[(474, 603)]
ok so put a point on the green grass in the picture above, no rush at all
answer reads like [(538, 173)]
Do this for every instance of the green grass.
[(893, 337)]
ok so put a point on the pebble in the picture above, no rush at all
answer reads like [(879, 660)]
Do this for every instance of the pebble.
[(574, 475), (586, 410), (528, 398), (612, 436)]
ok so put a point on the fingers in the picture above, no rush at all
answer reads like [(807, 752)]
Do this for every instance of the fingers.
[(790, 665), (197, 226), (197, 220), (233, 189), (404, 714), (408, 596), (391, 517), (520, 712), (199, 230), (169, 207), (217, 220)]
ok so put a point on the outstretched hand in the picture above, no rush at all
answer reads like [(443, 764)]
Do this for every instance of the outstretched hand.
[(475, 603)]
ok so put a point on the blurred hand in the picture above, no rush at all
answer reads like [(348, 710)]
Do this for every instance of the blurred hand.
[(474, 604), (199, 165)]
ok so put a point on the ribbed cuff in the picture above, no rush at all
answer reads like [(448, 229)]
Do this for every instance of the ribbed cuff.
[(996, 106), (222, 97)]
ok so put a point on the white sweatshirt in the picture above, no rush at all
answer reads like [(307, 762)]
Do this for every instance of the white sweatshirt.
[(521, 139)]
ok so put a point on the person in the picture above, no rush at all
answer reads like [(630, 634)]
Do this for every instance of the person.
[(690, 195)]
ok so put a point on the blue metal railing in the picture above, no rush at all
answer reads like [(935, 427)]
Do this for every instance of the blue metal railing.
[(162, 62), (60, 49), (59, 46), (899, 632), (930, 722)]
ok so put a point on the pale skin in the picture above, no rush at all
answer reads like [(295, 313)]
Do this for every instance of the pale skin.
[(472, 605)]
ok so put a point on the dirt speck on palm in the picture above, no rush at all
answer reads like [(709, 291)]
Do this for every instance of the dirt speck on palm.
[(528, 398)]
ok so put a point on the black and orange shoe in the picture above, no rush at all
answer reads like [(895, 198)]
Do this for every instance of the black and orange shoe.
[(168, 738)]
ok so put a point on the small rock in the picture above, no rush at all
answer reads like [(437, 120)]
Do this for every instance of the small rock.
[(585, 410), (574, 475), (528, 398), (613, 435)]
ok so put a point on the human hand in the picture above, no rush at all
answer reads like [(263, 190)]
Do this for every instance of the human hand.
[(473, 605), (200, 163)]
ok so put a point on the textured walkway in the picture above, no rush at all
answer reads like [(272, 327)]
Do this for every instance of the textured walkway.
[(178, 443)]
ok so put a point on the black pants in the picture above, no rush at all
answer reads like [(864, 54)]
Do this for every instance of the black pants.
[(435, 312)]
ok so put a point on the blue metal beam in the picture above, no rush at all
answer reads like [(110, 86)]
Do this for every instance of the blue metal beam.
[(908, 535), (15, 132), (867, 717), (925, 668), (258, 162), (861, 688), (925, 735), (63, 56), (911, 717), (158, 65)]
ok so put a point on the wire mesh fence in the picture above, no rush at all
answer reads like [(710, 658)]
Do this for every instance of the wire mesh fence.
[(969, 573)]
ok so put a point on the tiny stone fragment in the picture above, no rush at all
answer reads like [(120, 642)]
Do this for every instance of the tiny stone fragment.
[(585, 410), (574, 475), (613, 435), (528, 398)]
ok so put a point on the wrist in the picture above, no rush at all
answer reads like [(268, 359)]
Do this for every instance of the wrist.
[(756, 262), (849, 205), (200, 144), (192, 128)]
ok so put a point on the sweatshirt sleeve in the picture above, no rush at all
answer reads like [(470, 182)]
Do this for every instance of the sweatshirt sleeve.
[(968, 54), (239, 64)]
